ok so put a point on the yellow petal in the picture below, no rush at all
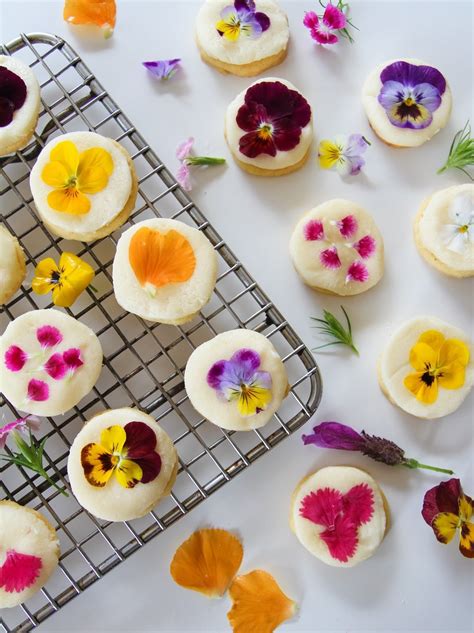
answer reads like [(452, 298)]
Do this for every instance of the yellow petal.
[(329, 154), (76, 271), (42, 281), (64, 294), (422, 392), (259, 605), (67, 154), (422, 357), (98, 464), (445, 525), (95, 167), (207, 562), (113, 439), (433, 338), (452, 376), (253, 399), (69, 201), (466, 543), (465, 508), (452, 351), (230, 31), (55, 175), (128, 473)]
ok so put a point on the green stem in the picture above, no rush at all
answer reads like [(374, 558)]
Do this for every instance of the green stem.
[(48, 479), (413, 463), (204, 160)]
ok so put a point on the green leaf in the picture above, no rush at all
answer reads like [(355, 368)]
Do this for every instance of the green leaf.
[(330, 326), (461, 152)]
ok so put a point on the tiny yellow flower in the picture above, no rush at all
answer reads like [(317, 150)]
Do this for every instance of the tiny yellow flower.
[(66, 281), (75, 175)]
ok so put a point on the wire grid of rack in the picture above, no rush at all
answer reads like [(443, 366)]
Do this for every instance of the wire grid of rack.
[(143, 362)]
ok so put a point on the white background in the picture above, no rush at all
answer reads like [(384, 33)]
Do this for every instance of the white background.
[(412, 583)]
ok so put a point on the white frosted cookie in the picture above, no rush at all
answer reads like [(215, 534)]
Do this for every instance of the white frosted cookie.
[(242, 37), (29, 553), (406, 101), (426, 367), (269, 128), (236, 380), (121, 464), (339, 515), (19, 104), (48, 362), (12, 265), (337, 248), (164, 271), (444, 230), (84, 186)]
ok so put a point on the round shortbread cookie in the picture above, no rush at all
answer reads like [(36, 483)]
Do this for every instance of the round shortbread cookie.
[(444, 230), (247, 55), (252, 145), (29, 553), (18, 132), (112, 501), (164, 271), (12, 265), (406, 107), (48, 362), (394, 367), (110, 206), (344, 497), (236, 380), (337, 248)]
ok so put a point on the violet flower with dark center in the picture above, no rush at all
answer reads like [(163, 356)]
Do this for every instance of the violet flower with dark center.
[(12, 95), (241, 18)]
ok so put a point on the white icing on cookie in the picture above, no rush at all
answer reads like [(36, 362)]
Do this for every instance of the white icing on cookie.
[(12, 265)]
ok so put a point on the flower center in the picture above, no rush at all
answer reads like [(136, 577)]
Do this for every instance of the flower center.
[(463, 229), (430, 375), (265, 131)]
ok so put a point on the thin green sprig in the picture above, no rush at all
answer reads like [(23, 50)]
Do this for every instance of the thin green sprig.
[(345, 8), (461, 152), (332, 327), (204, 160)]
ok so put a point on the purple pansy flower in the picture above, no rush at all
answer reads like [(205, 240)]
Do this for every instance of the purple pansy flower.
[(48, 336), (12, 95), (38, 390), (21, 424), (15, 358), (323, 30), (163, 68), (410, 94), (239, 379), (241, 18)]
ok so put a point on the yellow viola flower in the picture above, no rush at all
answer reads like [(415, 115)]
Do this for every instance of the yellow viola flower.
[(75, 175), (65, 281), (438, 362)]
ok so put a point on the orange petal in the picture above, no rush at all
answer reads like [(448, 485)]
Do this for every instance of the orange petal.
[(101, 13), (259, 604), (207, 562), (161, 258)]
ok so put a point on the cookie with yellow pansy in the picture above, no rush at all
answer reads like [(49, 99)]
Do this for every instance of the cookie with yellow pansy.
[(426, 367), (84, 186)]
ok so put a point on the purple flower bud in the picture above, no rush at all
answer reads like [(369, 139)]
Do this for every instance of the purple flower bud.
[(335, 435), (382, 450)]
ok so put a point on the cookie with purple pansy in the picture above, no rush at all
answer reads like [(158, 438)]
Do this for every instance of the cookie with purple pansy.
[(236, 380), (19, 104), (337, 248), (269, 128), (407, 102), (48, 362), (242, 37)]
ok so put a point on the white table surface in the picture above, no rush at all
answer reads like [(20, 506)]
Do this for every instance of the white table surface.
[(412, 583)]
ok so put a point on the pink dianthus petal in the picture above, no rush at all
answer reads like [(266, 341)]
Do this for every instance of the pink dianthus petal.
[(359, 504), (48, 336), (330, 258), (341, 539), (334, 18), (184, 149), (38, 391), (55, 367), (72, 359), (313, 230), (310, 20), (322, 36), (365, 246), (19, 571), (183, 176), (15, 358), (322, 507), (347, 226), (357, 271)]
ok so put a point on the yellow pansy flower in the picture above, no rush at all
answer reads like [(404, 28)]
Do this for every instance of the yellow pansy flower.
[(438, 362), (75, 175), (65, 281)]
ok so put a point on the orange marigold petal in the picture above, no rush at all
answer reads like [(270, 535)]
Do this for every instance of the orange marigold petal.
[(159, 258), (207, 562), (101, 13), (259, 605)]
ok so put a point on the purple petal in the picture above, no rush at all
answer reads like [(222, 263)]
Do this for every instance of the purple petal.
[(427, 95), (442, 498), (38, 391), (356, 145), (183, 176), (262, 379), (246, 362), (356, 164), (335, 435), (72, 359), (48, 336), (55, 367), (164, 68), (15, 358), (392, 93), (184, 149), (263, 20), (13, 94), (334, 18), (244, 5), (7, 110), (216, 373), (411, 75), (250, 25), (230, 14)]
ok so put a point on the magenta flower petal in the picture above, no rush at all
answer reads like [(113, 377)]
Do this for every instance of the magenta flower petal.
[(347, 226), (357, 271), (55, 367), (163, 69), (19, 571), (359, 504), (330, 258), (184, 149), (48, 336), (365, 246), (310, 20), (15, 358), (442, 498), (334, 18), (321, 36), (335, 435), (341, 539), (12, 95), (313, 230), (72, 359), (38, 390), (322, 507)]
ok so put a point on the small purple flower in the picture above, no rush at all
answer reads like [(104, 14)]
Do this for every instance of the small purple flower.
[(72, 359), (184, 155), (343, 153), (55, 367), (21, 424), (164, 68), (15, 358), (335, 435), (241, 18), (38, 390), (48, 336)]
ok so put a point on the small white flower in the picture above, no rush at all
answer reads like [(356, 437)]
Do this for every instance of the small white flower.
[(458, 235)]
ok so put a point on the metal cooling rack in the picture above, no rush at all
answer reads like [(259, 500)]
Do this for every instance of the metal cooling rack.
[(143, 362)]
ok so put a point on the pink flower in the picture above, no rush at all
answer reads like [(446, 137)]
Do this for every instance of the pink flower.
[(347, 226), (183, 176), (38, 391), (15, 358), (183, 153), (21, 424), (365, 246), (184, 149), (330, 258), (313, 230), (48, 336), (19, 571), (55, 367), (72, 359), (323, 29), (357, 271)]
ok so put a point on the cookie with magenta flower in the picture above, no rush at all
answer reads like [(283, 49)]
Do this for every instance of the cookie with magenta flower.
[(121, 464), (269, 128), (29, 553), (19, 104), (12, 265), (242, 37), (444, 230), (340, 515), (236, 380), (84, 186), (337, 248), (164, 271), (48, 362), (426, 367)]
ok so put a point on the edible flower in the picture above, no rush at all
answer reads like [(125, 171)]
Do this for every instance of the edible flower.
[(273, 117), (239, 379), (65, 280), (438, 362), (19, 571), (12, 95), (163, 69), (324, 29), (344, 438), (410, 94), (184, 155), (447, 509), (242, 19), (100, 13), (459, 233), (344, 153), (76, 175), (461, 152), (127, 452), (22, 425)]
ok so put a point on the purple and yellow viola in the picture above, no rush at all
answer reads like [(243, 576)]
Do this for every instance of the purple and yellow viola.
[(242, 19)]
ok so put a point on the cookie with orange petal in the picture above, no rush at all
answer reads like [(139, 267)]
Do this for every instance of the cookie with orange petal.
[(84, 186), (99, 13), (164, 271), (29, 553)]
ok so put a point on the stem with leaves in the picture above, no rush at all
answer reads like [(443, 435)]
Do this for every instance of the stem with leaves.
[(332, 327), (461, 152)]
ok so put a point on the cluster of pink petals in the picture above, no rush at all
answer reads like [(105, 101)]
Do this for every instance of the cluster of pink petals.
[(21, 424), (183, 151), (323, 29)]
